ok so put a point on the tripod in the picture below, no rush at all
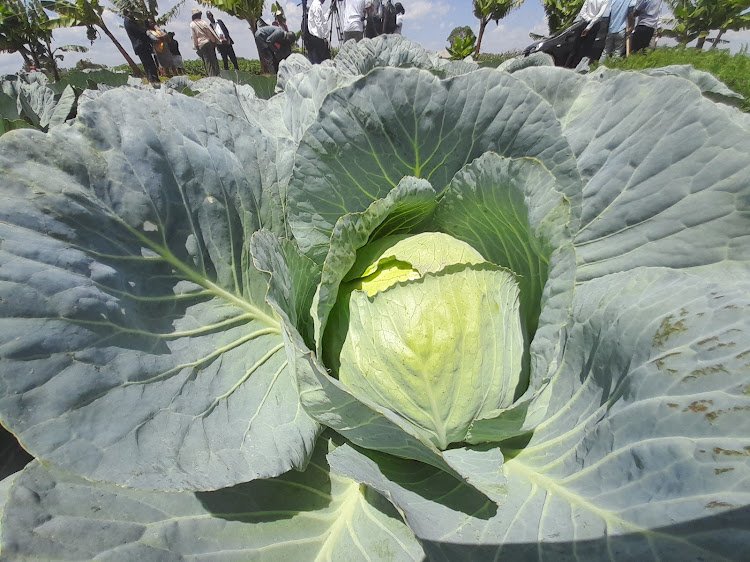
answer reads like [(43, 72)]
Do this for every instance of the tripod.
[(335, 20)]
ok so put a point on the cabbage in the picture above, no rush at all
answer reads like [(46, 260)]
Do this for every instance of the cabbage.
[(404, 308)]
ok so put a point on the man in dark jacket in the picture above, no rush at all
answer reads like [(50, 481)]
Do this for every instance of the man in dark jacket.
[(225, 47), (141, 46)]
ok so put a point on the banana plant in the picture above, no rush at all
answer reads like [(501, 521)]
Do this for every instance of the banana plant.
[(89, 14), (25, 28), (462, 43), (491, 10)]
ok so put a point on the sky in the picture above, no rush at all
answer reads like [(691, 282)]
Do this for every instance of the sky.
[(428, 22)]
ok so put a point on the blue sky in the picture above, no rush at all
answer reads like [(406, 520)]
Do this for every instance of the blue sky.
[(427, 22)]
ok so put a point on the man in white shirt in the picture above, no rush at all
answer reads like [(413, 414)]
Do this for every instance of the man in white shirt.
[(318, 25), (400, 12), (591, 13), (647, 14), (354, 17), (205, 41)]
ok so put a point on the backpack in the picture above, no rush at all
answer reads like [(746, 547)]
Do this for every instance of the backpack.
[(389, 17)]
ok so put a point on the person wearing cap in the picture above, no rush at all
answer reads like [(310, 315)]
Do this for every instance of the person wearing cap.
[(283, 50), (267, 38), (225, 47), (205, 41)]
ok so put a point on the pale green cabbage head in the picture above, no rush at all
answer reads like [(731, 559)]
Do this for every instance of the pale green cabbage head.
[(430, 330)]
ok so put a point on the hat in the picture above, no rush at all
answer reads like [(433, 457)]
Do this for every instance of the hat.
[(196, 11)]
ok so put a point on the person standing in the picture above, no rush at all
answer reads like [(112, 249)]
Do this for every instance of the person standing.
[(141, 46), (158, 38), (354, 18), (614, 44), (318, 24), (225, 47), (589, 20), (400, 12), (205, 41), (374, 19), (174, 49), (647, 13)]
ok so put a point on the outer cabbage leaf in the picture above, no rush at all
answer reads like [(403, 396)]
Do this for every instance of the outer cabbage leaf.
[(359, 58), (644, 452), (679, 200), (558, 86), (304, 92), (518, 63), (707, 83), (398, 122), (127, 288), (318, 514)]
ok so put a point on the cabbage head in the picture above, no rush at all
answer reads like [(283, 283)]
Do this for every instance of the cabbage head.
[(403, 309)]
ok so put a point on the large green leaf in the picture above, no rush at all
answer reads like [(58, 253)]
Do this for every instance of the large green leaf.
[(264, 85), (401, 122), (64, 108), (644, 452), (305, 87), (665, 187), (130, 302), (315, 515), (8, 107)]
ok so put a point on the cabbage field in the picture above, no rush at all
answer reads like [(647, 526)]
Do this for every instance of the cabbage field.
[(402, 309)]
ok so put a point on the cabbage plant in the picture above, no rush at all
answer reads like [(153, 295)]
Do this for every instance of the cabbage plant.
[(402, 309)]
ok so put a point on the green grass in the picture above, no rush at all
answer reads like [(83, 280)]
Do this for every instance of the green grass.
[(733, 70), (493, 60), (195, 69)]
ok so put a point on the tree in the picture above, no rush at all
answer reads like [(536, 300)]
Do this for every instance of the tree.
[(694, 20), (146, 10), (13, 36), (561, 13), (491, 10), (89, 14), (26, 28), (248, 10)]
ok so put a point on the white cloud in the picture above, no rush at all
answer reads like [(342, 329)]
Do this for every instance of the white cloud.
[(506, 37), (424, 10)]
